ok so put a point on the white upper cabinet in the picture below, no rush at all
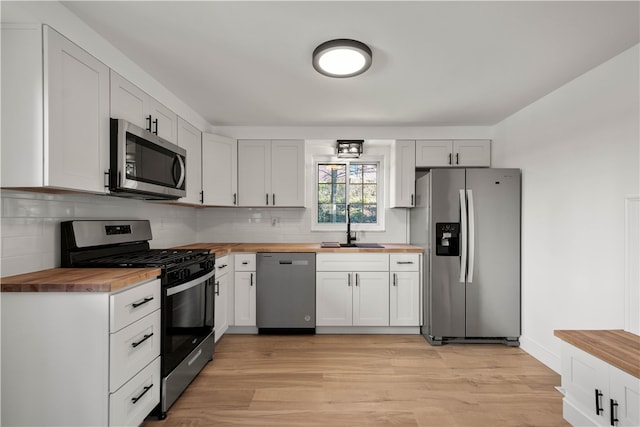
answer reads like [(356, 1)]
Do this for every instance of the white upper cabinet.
[(453, 153), (271, 173), (219, 170), (190, 138), (131, 103), (55, 115), (403, 174)]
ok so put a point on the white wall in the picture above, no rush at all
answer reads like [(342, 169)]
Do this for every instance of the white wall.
[(578, 148)]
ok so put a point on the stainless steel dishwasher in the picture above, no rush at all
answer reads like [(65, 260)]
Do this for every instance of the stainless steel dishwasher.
[(286, 293)]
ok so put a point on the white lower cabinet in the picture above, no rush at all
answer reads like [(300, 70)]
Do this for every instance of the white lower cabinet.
[(404, 289), (596, 393), (102, 363), (352, 298), (245, 290), (223, 286)]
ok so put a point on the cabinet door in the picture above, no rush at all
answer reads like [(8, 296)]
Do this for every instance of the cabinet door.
[(254, 172), (404, 298), (164, 122), (371, 298), (128, 102), (287, 173), (77, 116), (584, 375), (403, 174), (219, 170), (189, 138), (245, 298), (625, 391), (221, 301), (434, 153), (472, 152), (334, 298)]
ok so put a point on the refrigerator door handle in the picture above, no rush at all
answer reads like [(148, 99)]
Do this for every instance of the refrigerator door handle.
[(463, 236), (472, 233)]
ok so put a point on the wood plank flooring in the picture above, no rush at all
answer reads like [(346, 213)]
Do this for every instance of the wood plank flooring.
[(366, 380)]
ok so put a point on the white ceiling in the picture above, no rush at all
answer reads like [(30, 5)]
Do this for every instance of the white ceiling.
[(434, 63)]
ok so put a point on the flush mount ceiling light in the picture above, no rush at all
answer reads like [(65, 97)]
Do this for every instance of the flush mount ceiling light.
[(342, 58), (350, 148)]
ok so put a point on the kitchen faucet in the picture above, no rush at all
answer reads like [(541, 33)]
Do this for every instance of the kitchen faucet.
[(350, 237)]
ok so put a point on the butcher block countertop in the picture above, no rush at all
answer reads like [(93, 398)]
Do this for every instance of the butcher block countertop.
[(221, 249), (616, 347), (77, 279)]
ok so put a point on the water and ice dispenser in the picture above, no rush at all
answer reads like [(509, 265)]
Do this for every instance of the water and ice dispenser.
[(447, 238)]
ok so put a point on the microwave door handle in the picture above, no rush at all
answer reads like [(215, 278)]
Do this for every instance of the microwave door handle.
[(178, 181)]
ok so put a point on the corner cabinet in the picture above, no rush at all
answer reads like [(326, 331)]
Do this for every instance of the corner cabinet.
[(55, 120), (403, 174), (597, 393), (219, 170), (81, 358), (453, 153), (190, 138), (131, 103), (271, 173)]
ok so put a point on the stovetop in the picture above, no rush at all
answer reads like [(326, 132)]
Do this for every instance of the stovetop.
[(163, 258)]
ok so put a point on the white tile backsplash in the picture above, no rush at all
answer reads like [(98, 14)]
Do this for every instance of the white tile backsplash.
[(30, 229)]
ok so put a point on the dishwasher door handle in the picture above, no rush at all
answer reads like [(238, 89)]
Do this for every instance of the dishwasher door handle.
[(285, 261)]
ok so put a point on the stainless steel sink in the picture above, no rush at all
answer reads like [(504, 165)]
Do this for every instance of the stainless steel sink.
[(361, 245)]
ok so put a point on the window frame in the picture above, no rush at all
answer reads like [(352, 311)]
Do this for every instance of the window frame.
[(378, 226)]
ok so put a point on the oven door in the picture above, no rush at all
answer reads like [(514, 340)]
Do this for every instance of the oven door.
[(187, 318)]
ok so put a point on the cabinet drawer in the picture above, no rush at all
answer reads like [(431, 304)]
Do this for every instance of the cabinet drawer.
[(404, 262), (352, 262), (132, 304), (245, 262), (223, 265), (129, 406), (132, 348)]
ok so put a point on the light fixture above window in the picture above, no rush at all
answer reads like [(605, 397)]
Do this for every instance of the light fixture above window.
[(342, 58), (350, 148)]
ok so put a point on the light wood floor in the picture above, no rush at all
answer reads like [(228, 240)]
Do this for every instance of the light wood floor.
[(366, 380)]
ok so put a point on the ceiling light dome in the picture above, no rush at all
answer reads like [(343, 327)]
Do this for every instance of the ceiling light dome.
[(342, 58)]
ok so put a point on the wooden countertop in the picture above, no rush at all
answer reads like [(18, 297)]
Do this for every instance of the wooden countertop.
[(616, 347), (77, 279), (221, 249)]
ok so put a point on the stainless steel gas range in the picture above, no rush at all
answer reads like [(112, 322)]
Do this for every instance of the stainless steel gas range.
[(187, 279)]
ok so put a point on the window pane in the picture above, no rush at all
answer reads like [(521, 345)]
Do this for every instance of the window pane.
[(370, 214), (369, 193), (331, 193), (355, 173), (356, 212), (355, 194), (335, 173), (369, 173)]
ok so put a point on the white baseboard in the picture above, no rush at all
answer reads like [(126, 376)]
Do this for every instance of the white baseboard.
[(541, 353)]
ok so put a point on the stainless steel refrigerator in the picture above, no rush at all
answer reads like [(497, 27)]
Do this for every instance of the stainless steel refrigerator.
[(468, 221)]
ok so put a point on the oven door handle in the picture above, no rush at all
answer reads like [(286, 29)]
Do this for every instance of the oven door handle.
[(175, 289)]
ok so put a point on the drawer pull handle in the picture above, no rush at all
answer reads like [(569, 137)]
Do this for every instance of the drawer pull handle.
[(222, 266), (245, 262), (613, 412), (599, 408), (134, 400), (405, 262), (146, 337), (143, 302)]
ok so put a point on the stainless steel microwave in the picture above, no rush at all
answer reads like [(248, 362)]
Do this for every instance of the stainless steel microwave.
[(143, 165)]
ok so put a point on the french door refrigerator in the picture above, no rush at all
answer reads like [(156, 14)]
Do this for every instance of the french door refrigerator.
[(468, 221)]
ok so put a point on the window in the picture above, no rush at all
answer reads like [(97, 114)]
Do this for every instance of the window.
[(347, 183)]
